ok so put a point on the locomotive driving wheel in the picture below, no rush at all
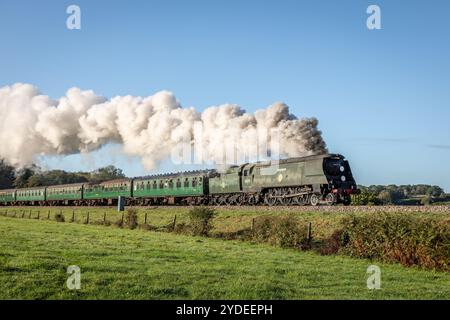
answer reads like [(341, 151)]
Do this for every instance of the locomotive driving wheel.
[(330, 199), (270, 198), (314, 200), (240, 200), (286, 201), (252, 200), (300, 200)]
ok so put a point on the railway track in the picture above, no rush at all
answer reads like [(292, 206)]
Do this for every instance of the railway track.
[(330, 209), (263, 208)]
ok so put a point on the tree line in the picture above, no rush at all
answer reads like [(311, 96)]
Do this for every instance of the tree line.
[(403, 194), (35, 176)]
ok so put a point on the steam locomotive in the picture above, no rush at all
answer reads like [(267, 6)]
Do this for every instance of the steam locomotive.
[(313, 180)]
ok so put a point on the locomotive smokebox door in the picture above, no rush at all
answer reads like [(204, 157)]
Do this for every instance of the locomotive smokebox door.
[(121, 204)]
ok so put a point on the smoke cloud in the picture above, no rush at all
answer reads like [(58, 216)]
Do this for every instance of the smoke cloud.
[(153, 127)]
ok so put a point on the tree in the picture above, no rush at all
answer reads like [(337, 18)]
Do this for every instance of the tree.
[(107, 173), (22, 176), (426, 200), (365, 198), (435, 191), (7, 175), (386, 197), (55, 177)]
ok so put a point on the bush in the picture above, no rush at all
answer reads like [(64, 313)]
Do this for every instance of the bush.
[(200, 220), (262, 228), (281, 231), (59, 217), (334, 243), (119, 223), (131, 218), (407, 239)]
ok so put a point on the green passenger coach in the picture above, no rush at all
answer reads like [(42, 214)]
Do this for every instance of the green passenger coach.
[(107, 192), (7, 196), (65, 194), (31, 195), (168, 188)]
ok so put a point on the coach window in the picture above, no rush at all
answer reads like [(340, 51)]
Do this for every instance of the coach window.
[(178, 183), (171, 184), (194, 182), (186, 183), (161, 184)]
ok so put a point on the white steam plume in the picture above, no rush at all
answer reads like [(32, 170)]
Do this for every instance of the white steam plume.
[(32, 125)]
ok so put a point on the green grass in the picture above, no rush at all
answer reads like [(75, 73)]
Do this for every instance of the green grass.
[(137, 264)]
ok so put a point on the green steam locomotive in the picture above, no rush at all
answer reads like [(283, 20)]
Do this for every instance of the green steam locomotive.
[(321, 179)]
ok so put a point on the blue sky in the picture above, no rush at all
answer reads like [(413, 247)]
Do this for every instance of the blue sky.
[(382, 97)]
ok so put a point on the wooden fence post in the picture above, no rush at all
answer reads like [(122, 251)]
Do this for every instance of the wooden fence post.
[(122, 219), (73, 215), (29, 215), (48, 215), (145, 219), (87, 219), (174, 222), (253, 224), (104, 218), (39, 214), (309, 233)]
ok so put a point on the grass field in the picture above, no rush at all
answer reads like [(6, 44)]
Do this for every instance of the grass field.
[(137, 264)]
